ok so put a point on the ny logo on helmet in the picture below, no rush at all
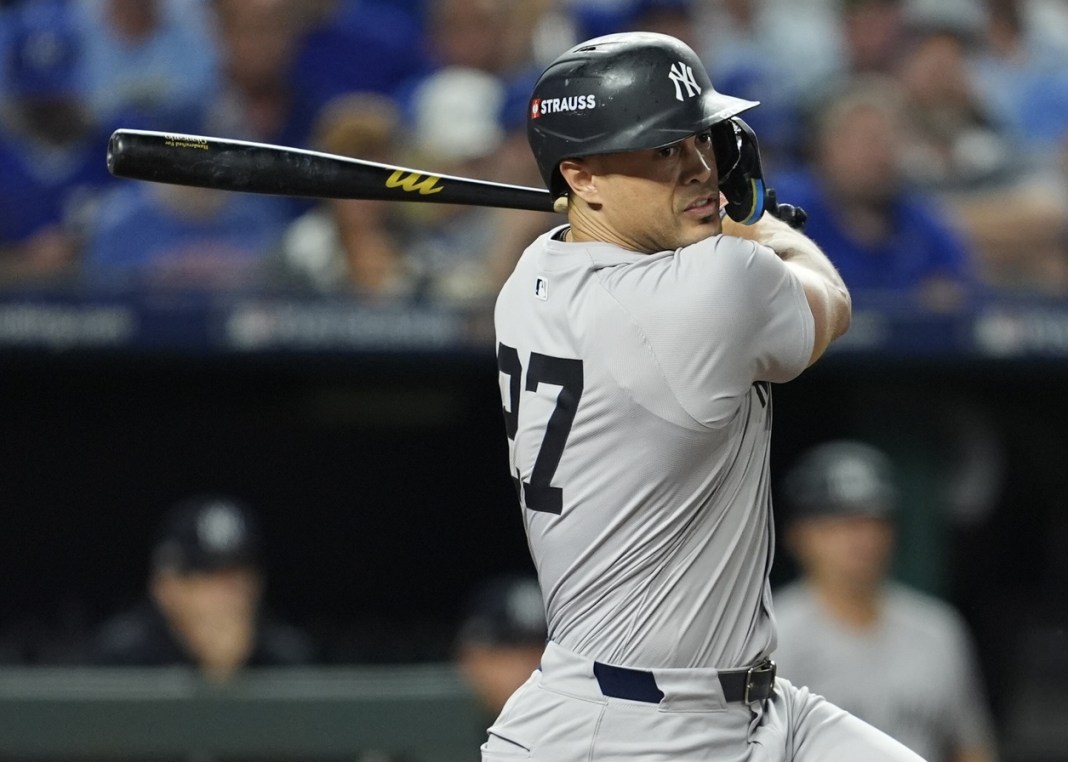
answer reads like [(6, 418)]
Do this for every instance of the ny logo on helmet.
[(682, 75)]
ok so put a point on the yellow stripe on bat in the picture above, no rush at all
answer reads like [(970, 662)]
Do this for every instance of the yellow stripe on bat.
[(413, 182)]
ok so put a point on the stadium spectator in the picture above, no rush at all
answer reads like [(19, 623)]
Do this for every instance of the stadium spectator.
[(501, 639), (897, 658), (872, 34), (1014, 214), (752, 48), (139, 69), (885, 238), (257, 43), (954, 144), (351, 246), (495, 38), (477, 34), (204, 605), (174, 236), (455, 130), (359, 46), (1022, 78), (51, 152)]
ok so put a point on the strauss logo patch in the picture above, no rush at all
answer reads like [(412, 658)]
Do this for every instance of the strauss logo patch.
[(542, 106)]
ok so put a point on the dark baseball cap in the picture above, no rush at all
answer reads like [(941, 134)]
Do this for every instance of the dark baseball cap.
[(206, 533), (505, 611), (841, 478)]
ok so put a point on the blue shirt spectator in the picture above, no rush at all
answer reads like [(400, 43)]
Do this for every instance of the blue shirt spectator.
[(360, 46), (920, 243), (1023, 80), (881, 234), (148, 63), (176, 236), (51, 153)]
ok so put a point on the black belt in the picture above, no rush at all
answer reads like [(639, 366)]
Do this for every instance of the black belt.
[(756, 683)]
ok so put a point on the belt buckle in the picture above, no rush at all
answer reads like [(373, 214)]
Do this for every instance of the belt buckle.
[(766, 667)]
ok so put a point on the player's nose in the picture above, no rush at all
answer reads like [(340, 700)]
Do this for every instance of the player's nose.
[(698, 164)]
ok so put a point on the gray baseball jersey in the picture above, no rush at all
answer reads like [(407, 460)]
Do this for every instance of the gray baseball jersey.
[(638, 408), (912, 676)]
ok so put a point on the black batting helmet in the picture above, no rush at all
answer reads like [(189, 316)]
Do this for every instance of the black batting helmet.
[(624, 92)]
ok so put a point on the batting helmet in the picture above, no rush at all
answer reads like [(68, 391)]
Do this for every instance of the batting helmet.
[(841, 478), (626, 92)]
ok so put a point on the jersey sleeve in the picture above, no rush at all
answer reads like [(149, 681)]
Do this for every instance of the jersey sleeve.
[(724, 314)]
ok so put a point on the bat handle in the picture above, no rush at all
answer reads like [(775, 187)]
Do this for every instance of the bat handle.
[(792, 215)]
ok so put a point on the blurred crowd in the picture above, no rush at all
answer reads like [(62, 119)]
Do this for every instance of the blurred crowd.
[(927, 139)]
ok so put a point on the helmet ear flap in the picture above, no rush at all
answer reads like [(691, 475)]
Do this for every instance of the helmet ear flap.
[(741, 177)]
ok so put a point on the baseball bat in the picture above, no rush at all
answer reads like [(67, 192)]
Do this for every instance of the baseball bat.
[(238, 165)]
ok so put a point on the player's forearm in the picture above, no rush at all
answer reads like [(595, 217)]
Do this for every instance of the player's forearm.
[(826, 292), (791, 245)]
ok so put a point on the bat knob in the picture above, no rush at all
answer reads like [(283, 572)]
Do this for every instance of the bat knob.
[(794, 216), (114, 149)]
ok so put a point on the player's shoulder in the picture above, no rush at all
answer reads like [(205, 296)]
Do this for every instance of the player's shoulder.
[(136, 636), (281, 643), (727, 263)]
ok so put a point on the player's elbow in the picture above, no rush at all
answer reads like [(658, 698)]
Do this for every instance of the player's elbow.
[(832, 313), (841, 310)]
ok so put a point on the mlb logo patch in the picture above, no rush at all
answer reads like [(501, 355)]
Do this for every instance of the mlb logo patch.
[(541, 288), (535, 108)]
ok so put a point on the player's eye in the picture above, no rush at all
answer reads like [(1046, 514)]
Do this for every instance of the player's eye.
[(704, 138), (668, 151)]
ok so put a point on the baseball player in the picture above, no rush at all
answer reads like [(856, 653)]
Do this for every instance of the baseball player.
[(902, 660), (637, 345)]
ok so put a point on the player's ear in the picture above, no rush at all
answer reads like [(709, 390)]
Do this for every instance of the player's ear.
[(580, 178)]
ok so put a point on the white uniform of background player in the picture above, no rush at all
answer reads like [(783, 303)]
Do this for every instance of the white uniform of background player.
[(638, 409), (898, 658)]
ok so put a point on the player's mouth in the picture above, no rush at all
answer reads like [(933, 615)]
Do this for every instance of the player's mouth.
[(703, 207)]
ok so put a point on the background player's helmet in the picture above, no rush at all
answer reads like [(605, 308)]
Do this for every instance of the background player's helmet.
[(625, 92), (207, 533), (841, 478), (506, 610)]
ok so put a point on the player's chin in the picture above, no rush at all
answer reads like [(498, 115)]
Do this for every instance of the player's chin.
[(700, 228)]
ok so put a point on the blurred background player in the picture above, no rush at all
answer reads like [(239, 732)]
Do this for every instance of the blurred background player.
[(897, 658), (501, 639), (203, 607)]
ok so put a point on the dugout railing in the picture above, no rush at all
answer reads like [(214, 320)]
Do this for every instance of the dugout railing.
[(420, 713)]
